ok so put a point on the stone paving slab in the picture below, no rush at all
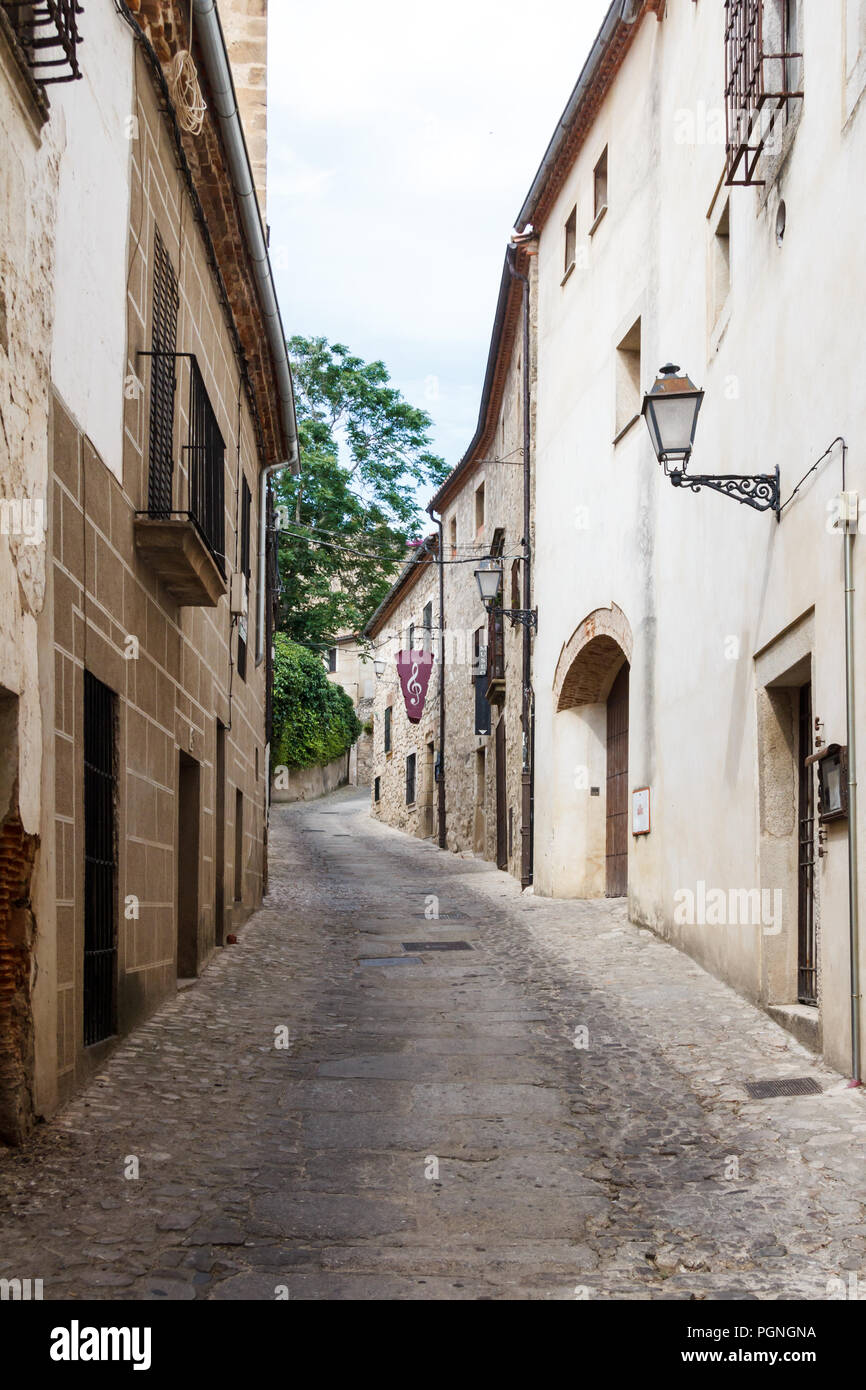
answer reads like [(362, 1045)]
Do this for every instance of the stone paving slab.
[(432, 1131)]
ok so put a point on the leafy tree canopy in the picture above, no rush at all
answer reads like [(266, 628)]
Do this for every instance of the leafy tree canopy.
[(365, 452), (314, 720)]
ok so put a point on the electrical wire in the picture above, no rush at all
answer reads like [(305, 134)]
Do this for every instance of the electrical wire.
[(382, 555)]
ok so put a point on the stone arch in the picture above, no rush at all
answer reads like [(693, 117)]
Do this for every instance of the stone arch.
[(591, 659)]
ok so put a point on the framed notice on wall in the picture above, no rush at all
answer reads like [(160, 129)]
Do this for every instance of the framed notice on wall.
[(640, 811)]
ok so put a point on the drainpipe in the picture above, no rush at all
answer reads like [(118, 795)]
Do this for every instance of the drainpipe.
[(853, 888), (213, 48)]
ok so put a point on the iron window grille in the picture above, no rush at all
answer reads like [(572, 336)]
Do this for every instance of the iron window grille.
[(49, 37), (246, 508), (163, 341), (201, 479), (761, 71), (100, 861)]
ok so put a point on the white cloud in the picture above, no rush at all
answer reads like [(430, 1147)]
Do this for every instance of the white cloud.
[(403, 139)]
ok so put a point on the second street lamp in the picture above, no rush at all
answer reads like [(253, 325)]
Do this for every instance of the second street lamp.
[(671, 411), (489, 579)]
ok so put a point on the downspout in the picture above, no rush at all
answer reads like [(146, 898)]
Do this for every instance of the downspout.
[(213, 48), (853, 885), (527, 808)]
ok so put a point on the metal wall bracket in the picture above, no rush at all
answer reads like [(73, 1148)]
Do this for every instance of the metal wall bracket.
[(759, 490)]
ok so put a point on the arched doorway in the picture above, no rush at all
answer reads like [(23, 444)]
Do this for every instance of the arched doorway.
[(591, 732)]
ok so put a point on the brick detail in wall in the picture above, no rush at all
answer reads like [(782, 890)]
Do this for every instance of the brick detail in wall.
[(17, 931)]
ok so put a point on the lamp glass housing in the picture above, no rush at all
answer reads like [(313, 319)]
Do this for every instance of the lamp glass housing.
[(671, 411), (489, 579)]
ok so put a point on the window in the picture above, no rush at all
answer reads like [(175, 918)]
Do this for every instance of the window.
[(720, 264), (570, 240), (332, 659), (480, 779), (428, 627), (453, 533), (410, 639), (599, 190), (628, 379), (377, 788), (410, 780), (479, 510), (246, 507), (387, 728), (763, 82)]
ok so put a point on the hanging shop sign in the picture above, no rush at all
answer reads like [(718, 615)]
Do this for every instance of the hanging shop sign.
[(414, 669)]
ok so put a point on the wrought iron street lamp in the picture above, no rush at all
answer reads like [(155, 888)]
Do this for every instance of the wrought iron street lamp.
[(489, 579), (671, 411)]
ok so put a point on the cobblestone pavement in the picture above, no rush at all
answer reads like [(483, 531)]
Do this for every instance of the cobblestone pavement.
[(635, 1167)]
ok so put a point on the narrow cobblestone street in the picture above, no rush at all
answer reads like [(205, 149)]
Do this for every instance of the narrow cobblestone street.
[(635, 1167)]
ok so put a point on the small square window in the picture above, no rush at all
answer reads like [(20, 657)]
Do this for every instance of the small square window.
[(628, 379), (479, 509), (600, 189), (570, 239)]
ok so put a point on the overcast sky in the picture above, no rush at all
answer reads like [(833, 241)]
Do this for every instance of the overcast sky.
[(403, 139)]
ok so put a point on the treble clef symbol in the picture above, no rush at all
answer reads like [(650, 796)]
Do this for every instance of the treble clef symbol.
[(413, 685)]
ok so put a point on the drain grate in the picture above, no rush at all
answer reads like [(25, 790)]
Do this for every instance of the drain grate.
[(390, 960), (793, 1086), (436, 946)]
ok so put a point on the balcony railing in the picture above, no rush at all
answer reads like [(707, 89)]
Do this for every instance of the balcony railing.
[(762, 76), (182, 531), (48, 34)]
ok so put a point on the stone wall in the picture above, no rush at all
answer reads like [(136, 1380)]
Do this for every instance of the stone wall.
[(29, 174), (307, 783), (388, 770), (470, 771)]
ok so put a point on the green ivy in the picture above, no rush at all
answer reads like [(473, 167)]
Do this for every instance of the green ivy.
[(314, 719)]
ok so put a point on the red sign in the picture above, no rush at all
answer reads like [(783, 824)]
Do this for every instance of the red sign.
[(414, 669)]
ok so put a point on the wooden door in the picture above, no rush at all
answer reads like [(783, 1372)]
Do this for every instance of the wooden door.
[(501, 797), (617, 787)]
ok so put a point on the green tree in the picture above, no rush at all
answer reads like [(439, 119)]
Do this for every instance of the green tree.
[(365, 452), (314, 720)]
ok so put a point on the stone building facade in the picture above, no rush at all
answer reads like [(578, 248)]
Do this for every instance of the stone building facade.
[(482, 507), (403, 788), (155, 407)]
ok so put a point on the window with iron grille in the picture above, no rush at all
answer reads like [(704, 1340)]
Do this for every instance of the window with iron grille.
[(100, 861), (410, 779), (246, 509), (206, 468), (48, 34), (163, 342), (377, 789), (763, 75)]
